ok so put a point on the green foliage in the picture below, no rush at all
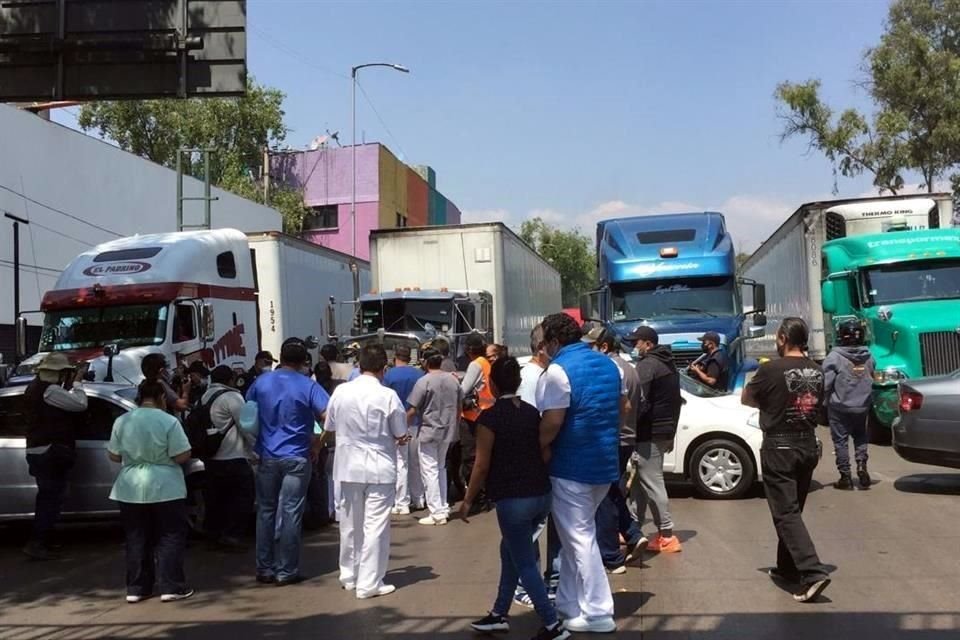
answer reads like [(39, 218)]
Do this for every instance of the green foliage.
[(569, 252), (237, 129), (914, 81), (741, 259)]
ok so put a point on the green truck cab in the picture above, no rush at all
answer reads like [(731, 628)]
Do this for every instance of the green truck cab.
[(905, 287)]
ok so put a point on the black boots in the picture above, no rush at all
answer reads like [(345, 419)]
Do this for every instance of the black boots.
[(863, 476), (845, 482)]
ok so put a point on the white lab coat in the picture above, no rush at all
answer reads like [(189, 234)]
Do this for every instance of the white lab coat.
[(367, 418)]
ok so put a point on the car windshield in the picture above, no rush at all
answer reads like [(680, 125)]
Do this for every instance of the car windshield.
[(405, 315), (912, 281), (698, 389), (643, 300), (131, 325)]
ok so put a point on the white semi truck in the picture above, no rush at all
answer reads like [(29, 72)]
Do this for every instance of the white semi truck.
[(790, 264), (215, 296), (453, 281)]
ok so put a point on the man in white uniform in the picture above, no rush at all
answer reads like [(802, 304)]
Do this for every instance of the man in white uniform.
[(370, 423), (531, 372)]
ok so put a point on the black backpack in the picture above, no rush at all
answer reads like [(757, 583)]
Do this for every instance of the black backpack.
[(205, 439)]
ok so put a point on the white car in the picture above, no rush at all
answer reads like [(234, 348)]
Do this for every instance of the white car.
[(717, 446)]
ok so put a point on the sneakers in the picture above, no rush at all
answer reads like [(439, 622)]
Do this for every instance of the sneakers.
[(133, 599), (430, 521), (661, 544), (782, 576), (845, 483), (635, 551), (555, 632), (491, 624), (863, 476), (266, 578), (400, 511), (582, 624), (183, 594), (382, 590), (619, 570), (523, 599), (812, 591)]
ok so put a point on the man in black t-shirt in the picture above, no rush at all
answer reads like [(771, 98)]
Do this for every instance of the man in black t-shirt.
[(714, 369), (789, 392)]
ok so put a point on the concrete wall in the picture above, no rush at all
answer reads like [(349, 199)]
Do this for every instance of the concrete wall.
[(79, 191), (341, 239)]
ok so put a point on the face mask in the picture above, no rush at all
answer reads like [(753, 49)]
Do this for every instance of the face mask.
[(704, 348)]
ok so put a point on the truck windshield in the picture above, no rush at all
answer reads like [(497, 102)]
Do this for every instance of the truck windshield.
[(132, 325), (405, 315), (645, 299), (911, 281)]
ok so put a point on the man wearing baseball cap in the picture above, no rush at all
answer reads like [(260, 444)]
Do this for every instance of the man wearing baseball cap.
[(712, 369), (264, 361)]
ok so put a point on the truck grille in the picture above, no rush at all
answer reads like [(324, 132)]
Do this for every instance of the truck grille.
[(683, 359), (941, 352)]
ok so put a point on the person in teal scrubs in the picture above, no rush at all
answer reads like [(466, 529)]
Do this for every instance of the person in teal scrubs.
[(151, 445)]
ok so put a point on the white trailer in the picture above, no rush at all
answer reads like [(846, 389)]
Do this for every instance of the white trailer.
[(789, 261), (215, 296), (498, 285)]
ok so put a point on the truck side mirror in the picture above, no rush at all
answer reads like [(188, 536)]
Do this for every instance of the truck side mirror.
[(760, 298), (21, 337), (207, 322), (828, 296), (760, 322), (332, 317), (591, 306)]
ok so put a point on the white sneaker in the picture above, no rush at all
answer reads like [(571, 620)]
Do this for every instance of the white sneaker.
[(136, 599), (430, 521), (582, 624), (348, 586), (400, 511), (382, 590), (179, 595)]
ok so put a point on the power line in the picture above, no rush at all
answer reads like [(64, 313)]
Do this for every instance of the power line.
[(292, 53), (61, 212), (380, 118), (30, 266), (60, 233)]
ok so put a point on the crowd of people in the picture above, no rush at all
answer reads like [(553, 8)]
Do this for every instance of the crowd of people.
[(571, 444)]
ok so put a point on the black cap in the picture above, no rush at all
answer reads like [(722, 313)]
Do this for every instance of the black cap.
[(402, 352), (645, 333), (712, 336), (265, 354), (198, 367)]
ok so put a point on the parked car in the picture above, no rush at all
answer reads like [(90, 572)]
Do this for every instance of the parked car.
[(927, 429), (717, 446), (93, 473)]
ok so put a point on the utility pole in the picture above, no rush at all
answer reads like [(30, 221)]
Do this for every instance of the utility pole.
[(17, 221), (266, 176)]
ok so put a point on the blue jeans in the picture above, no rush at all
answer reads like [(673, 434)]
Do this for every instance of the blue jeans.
[(51, 470), (614, 519), (519, 518), (844, 426), (281, 485)]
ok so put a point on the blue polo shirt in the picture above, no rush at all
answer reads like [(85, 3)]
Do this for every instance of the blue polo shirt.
[(288, 403), (402, 380)]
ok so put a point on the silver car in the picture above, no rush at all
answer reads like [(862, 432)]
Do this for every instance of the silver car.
[(927, 430)]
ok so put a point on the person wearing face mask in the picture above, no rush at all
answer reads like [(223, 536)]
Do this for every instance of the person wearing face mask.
[(155, 367), (579, 396), (789, 394), (712, 369), (199, 377), (370, 422), (657, 417)]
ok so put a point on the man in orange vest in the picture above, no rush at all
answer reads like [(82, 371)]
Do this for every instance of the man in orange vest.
[(478, 397)]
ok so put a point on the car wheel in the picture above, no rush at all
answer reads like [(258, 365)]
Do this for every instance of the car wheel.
[(721, 469)]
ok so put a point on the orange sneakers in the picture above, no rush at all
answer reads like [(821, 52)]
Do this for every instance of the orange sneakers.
[(660, 544)]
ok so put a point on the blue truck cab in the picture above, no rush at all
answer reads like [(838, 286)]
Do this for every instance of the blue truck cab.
[(677, 274)]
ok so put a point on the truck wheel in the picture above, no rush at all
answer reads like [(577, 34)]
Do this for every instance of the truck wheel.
[(877, 433), (721, 469)]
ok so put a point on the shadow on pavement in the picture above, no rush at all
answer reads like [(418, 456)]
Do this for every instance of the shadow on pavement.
[(387, 622), (941, 484)]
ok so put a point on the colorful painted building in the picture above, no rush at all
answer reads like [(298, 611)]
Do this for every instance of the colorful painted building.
[(389, 194)]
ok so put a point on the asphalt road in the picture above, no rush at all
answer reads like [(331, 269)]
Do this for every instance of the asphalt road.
[(896, 549)]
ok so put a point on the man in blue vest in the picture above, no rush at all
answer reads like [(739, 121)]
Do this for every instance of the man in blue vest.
[(579, 396)]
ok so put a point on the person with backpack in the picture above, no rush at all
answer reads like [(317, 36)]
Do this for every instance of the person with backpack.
[(229, 489), (848, 385)]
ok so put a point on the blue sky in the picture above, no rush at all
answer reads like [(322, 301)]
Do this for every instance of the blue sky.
[(576, 110)]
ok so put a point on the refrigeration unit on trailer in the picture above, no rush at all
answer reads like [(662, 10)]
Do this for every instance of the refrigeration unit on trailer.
[(453, 281)]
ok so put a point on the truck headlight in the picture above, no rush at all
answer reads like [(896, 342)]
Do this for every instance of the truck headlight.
[(890, 374)]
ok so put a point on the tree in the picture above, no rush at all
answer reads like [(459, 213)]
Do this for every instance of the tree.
[(914, 81), (741, 260), (569, 252), (237, 129)]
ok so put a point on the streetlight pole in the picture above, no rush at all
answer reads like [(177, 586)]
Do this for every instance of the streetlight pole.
[(353, 199)]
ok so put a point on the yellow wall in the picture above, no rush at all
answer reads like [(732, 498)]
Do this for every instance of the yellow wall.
[(393, 188)]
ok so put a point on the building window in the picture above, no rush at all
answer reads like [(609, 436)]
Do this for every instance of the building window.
[(322, 217), (401, 220)]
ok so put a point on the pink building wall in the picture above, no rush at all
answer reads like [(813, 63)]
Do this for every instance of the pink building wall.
[(341, 239)]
